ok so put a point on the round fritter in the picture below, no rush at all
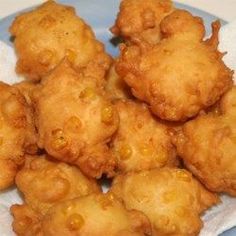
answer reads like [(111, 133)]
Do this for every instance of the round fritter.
[(208, 146), (138, 19), (46, 35), (182, 74), (141, 142), (26, 221), (75, 120), (116, 87), (95, 215), (171, 198), (17, 133), (44, 183)]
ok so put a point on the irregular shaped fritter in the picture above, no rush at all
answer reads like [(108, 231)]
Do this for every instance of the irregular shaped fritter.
[(182, 74), (51, 33), (116, 87), (44, 183), (75, 120), (95, 215), (208, 146), (26, 222), (138, 19), (171, 198), (141, 142), (17, 133)]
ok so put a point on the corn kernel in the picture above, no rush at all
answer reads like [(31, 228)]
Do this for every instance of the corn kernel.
[(75, 222), (107, 115), (162, 159), (125, 152), (58, 142), (73, 124), (88, 94), (146, 150), (183, 176)]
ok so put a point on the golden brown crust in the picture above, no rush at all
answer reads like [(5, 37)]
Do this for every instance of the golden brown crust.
[(116, 86), (138, 19), (26, 222), (141, 142), (75, 120), (95, 215), (171, 198), (179, 76), (51, 33), (44, 183), (17, 134), (207, 146)]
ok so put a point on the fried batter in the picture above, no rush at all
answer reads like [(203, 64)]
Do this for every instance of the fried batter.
[(94, 215), (138, 19), (17, 134), (46, 35), (116, 87), (26, 222), (182, 74), (27, 87), (44, 183), (171, 198), (208, 146), (141, 142), (75, 120)]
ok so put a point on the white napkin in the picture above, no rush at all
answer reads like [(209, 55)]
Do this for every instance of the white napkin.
[(216, 220)]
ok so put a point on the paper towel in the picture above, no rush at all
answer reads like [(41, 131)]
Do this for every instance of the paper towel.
[(216, 220)]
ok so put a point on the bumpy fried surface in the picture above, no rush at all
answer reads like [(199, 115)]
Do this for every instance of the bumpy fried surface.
[(208, 146), (96, 215), (45, 183), (75, 120), (26, 222), (182, 74), (141, 142), (27, 87), (138, 19), (52, 32), (116, 87), (171, 198), (17, 134)]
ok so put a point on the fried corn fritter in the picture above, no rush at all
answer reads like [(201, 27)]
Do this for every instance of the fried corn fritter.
[(44, 183), (141, 142), (52, 32), (26, 221), (207, 146), (96, 215), (140, 20), (182, 74), (171, 198), (17, 133), (75, 120)]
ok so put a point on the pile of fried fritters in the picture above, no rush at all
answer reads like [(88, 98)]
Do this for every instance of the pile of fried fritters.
[(158, 120)]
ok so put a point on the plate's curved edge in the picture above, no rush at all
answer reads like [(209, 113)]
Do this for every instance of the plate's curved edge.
[(98, 19)]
